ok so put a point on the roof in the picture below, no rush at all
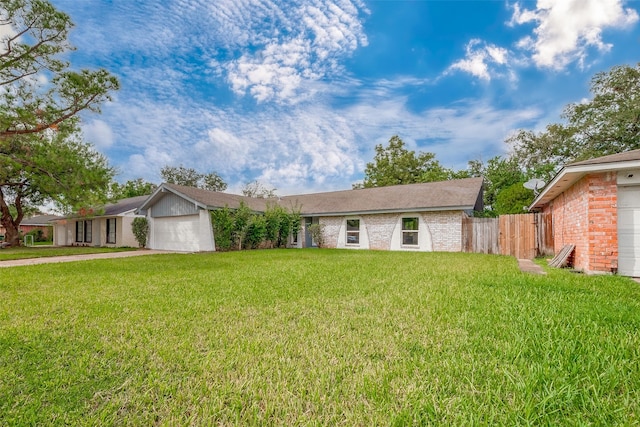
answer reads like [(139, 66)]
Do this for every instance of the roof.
[(573, 172), (462, 194), (40, 220), (113, 209), (123, 206)]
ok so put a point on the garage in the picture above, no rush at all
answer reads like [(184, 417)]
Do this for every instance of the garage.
[(629, 230), (176, 233)]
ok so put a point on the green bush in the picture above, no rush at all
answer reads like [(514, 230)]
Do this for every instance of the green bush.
[(140, 228), (242, 228)]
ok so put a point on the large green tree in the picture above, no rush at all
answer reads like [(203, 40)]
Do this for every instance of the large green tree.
[(42, 155), (608, 123), (395, 164), (131, 188), (192, 178)]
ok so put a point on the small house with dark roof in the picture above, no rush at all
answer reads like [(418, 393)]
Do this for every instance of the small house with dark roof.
[(595, 206), (110, 226), (39, 222), (414, 217)]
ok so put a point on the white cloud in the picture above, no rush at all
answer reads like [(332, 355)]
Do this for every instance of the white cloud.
[(566, 29), (298, 44), (482, 60), (98, 133)]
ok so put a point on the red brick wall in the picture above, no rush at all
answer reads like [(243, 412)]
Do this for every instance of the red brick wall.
[(586, 215)]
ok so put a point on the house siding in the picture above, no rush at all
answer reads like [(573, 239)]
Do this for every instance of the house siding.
[(585, 215)]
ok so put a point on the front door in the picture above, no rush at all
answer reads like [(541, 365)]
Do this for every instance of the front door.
[(309, 241)]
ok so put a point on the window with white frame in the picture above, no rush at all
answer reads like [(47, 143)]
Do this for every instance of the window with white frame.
[(83, 231), (353, 232), (111, 230), (410, 231)]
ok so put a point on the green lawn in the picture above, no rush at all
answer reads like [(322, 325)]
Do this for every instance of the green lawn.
[(37, 251), (316, 337)]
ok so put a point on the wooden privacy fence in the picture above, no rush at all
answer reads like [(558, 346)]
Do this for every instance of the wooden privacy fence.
[(522, 236)]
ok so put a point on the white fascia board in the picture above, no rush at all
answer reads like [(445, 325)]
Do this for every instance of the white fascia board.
[(576, 172)]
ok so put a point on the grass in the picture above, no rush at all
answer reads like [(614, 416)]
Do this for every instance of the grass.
[(316, 337), (24, 252)]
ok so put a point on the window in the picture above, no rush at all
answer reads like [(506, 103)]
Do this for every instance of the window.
[(353, 232), (111, 230), (410, 231), (79, 231), (83, 231)]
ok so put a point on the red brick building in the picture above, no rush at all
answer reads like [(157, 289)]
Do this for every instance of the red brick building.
[(595, 205)]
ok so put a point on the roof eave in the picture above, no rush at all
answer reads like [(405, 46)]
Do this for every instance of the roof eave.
[(390, 211), (569, 175), (162, 188)]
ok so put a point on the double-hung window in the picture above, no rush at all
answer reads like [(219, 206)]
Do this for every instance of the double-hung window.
[(410, 231), (83, 231), (111, 230), (353, 232)]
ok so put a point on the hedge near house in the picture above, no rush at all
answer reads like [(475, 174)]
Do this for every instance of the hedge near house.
[(243, 229)]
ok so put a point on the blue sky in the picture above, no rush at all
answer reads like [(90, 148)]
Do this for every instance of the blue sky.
[(296, 94)]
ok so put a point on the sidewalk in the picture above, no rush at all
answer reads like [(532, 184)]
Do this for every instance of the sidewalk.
[(528, 266), (83, 257)]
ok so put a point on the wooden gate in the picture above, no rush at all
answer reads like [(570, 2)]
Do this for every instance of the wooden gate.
[(518, 235)]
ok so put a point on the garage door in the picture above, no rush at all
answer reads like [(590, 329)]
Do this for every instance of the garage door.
[(629, 231), (179, 233)]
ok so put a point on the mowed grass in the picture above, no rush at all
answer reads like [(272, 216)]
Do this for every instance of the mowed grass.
[(24, 252), (316, 337)]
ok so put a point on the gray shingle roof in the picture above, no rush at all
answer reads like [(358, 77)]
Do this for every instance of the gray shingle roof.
[(123, 206), (461, 194), (40, 220)]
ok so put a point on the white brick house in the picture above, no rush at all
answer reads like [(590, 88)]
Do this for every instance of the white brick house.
[(414, 217)]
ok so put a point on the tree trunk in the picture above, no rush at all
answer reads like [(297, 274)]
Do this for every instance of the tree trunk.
[(12, 234)]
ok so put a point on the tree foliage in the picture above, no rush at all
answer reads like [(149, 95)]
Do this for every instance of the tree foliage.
[(131, 188), (608, 123), (190, 177), (395, 164), (42, 155), (258, 190)]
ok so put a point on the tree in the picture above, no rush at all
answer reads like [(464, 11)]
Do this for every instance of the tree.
[(609, 123), (42, 156), (131, 188), (394, 164), (190, 177), (258, 190)]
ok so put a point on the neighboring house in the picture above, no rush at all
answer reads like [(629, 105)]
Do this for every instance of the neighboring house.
[(415, 217), (110, 227), (595, 205), (39, 222)]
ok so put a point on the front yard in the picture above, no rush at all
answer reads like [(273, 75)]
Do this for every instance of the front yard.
[(316, 337)]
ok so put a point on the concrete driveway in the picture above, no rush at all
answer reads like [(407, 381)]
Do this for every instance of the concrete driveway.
[(82, 257)]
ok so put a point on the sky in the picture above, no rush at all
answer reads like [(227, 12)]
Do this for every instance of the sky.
[(297, 94)]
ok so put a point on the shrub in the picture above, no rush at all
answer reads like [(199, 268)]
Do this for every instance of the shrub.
[(140, 228), (317, 233)]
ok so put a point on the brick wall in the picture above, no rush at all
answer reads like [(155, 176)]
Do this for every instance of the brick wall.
[(445, 229), (586, 215)]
